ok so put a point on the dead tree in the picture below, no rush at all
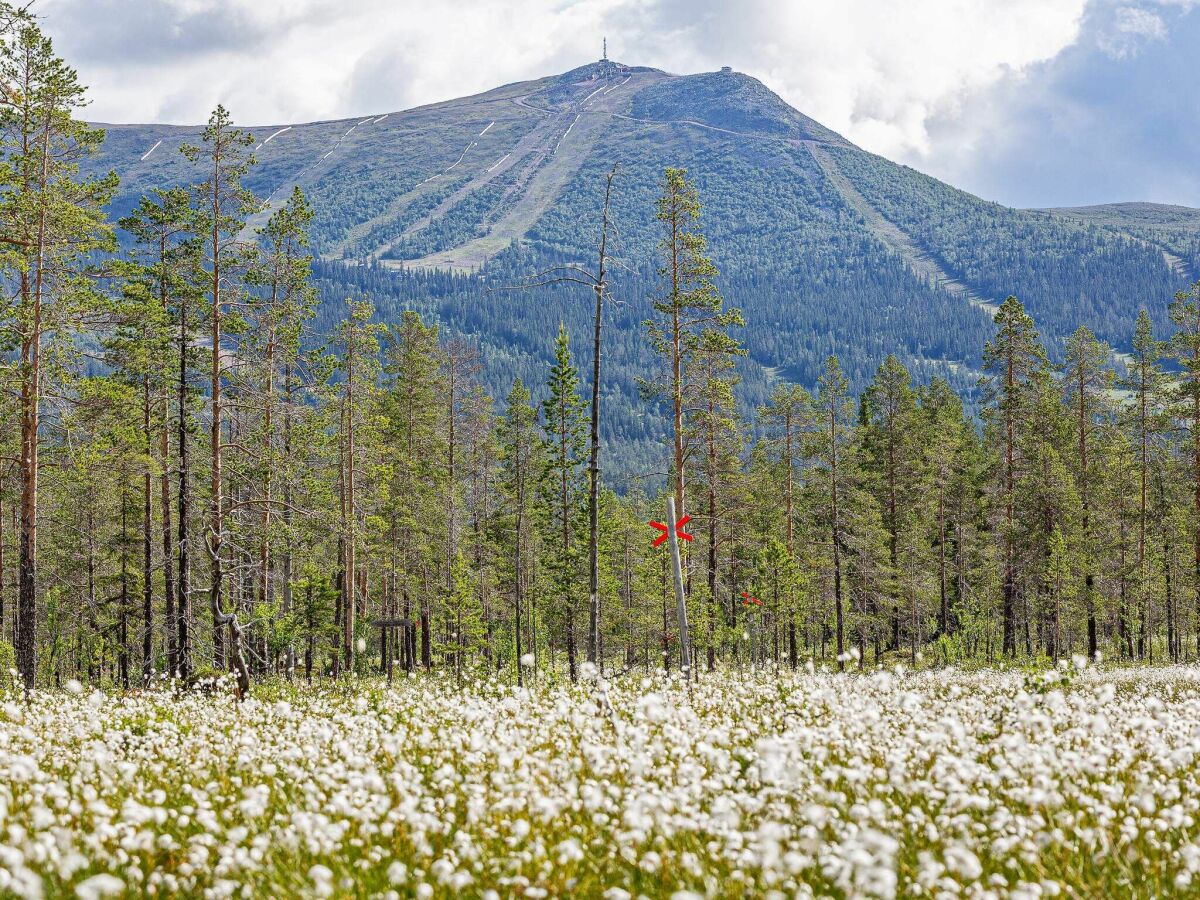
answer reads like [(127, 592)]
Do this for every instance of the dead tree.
[(597, 281)]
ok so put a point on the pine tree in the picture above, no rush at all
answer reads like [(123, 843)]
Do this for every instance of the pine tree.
[(519, 472), (715, 429), (221, 205), (460, 365), (163, 265), (358, 344), (1087, 380), (947, 437), (691, 320), (833, 411), (889, 410), (52, 220), (787, 416), (1185, 347), (1015, 360), (1145, 380), (278, 313), (418, 454)]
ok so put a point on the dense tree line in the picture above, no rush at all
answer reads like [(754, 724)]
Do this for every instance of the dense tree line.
[(200, 474)]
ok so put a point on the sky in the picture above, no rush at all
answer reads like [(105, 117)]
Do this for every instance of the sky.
[(1026, 102)]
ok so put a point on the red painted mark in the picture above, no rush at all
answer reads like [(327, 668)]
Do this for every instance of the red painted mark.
[(679, 532), (748, 600)]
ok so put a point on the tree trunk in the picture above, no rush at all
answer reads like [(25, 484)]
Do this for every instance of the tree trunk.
[(147, 541), (183, 608)]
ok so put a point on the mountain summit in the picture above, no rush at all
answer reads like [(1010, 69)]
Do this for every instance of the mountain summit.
[(826, 247)]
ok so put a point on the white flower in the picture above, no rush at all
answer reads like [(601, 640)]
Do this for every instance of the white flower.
[(569, 851), (528, 660), (963, 862), (102, 885)]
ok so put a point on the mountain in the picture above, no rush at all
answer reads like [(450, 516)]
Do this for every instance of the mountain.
[(826, 247)]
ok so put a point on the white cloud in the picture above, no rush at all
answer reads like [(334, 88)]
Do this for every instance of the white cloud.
[(1131, 27), (887, 75)]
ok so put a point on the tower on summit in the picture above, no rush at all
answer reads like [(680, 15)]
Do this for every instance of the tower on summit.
[(604, 55)]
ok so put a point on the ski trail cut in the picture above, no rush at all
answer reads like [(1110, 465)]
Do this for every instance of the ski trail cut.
[(591, 95), (919, 262), (485, 131), (451, 166), (565, 133), (542, 181), (462, 157), (146, 155), (499, 161), (272, 135)]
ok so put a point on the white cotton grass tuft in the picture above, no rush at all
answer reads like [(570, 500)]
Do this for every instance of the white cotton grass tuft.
[(99, 886), (811, 782)]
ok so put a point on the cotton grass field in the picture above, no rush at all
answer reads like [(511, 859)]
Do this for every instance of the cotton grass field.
[(936, 784)]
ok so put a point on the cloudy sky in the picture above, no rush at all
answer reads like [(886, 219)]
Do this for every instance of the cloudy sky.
[(1029, 102)]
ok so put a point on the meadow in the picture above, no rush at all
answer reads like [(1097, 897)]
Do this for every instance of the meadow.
[(1074, 782)]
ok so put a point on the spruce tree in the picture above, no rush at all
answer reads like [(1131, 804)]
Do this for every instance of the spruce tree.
[(564, 426)]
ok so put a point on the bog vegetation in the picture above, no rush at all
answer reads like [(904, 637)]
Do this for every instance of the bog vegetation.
[(767, 782), (193, 480)]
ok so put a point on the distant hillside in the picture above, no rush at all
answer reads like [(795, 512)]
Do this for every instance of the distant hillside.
[(826, 247), (1175, 230)]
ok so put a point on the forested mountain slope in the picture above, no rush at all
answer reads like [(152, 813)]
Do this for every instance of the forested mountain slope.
[(826, 248)]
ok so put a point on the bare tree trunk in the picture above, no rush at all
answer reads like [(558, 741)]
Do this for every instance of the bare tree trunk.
[(216, 499), (30, 424), (147, 540), (183, 608), (286, 561), (123, 653), (593, 648), (835, 529), (348, 580)]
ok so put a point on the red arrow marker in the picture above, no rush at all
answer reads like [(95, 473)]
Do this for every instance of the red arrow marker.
[(679, 532), (662, 537)]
